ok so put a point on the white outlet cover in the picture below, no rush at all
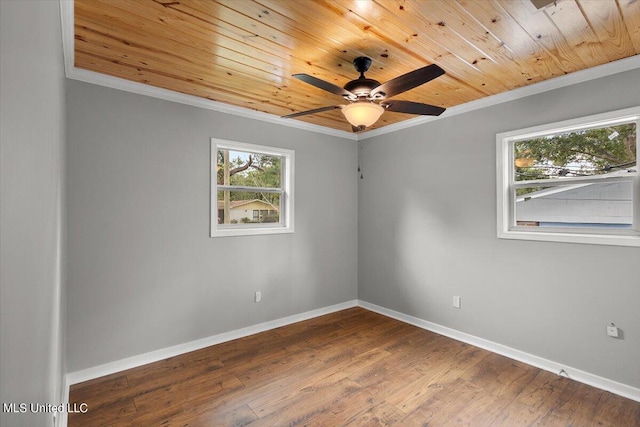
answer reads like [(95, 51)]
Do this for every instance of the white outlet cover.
[(456, 302)]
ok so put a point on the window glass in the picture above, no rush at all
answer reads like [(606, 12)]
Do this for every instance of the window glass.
[(593, 205), (252, 188), (588, 152), (573, 181), (248, 169), (247, 207)]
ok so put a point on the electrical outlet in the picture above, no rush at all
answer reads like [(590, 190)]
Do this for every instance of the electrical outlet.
[(257, 296), (456, 302)]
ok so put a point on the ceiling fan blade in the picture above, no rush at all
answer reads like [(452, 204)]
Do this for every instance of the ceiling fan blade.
[(408, 81), (317, 110), (324, 85), (412, 108)]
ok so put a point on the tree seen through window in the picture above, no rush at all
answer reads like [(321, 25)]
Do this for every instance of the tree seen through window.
[(582, 153), (249, 170)]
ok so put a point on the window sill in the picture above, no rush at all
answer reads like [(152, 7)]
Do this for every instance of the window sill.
[(250, 231), (583, 238)]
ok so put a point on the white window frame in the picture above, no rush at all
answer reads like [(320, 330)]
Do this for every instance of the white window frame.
[(285, 225), (506, 185)]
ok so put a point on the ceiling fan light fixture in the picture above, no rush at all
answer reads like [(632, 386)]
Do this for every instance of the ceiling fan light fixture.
[(362, 113), (366, 95)]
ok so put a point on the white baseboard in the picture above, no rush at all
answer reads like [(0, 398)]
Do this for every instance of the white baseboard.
[(63, 417), (154, 356), (530, 359)]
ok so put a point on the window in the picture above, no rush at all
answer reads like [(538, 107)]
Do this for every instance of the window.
[(251, 189), (573, 181)]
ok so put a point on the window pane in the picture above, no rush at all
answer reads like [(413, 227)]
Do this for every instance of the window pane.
[(598, 205), (246, 207), (598, 151), (248, 169)]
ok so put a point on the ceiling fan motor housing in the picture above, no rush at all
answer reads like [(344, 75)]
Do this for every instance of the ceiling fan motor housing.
[(362, 86)]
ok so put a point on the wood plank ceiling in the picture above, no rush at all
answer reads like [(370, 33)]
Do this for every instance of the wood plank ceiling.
[(243, 52)]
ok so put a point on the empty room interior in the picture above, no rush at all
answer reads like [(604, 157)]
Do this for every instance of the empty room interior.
[(331, 212)]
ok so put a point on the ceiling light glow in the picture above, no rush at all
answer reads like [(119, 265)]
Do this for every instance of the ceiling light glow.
[(362, 113)]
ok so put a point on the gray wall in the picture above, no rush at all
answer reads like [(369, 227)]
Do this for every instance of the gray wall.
[(427, 231), (31, 216), (144, 273)]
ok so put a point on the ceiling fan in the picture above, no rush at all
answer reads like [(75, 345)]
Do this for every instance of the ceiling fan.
[(369, 99)]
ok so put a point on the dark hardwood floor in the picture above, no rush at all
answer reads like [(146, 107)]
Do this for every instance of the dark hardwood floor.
[(353, 367)]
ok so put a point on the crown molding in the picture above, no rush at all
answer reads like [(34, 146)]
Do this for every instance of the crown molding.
[(604, 70), (66, 11), (194, 101), (74, 73)]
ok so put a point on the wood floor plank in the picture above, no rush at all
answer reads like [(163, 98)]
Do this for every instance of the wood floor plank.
[(577, 405), (615, 408), (195, 417), (352, 367), (270, 370), (380, 413), (340, 411), (447, 406), (300, 407), (116, 412), (323, 379), (438, 378), (533, 405), (175, 394), (503, 377), (99, 391)]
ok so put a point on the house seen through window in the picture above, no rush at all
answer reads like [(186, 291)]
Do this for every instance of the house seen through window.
[(574, 179), (252, 189)]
